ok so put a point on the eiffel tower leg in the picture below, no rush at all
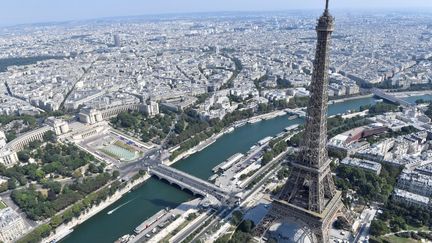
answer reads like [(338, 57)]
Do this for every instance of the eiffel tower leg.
[(292, 185), (270, 218), (329, 186), (321, 236), (347, 215)]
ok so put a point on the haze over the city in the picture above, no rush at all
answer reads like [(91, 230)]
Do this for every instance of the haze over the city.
[(29, 11)]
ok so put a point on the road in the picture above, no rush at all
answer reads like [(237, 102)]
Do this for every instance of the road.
[(218, 218), (265, 168), (367, 216), (164, 141), (225, 215), (74, 85), (152, 158), (190, 228)]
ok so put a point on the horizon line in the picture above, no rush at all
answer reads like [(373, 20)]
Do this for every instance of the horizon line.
[(186, 14)]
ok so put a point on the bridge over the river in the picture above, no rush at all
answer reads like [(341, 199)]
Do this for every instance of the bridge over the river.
[(298, 111), (383, 95), (192, 183)]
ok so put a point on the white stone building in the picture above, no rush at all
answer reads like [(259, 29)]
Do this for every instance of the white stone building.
[(12, 226), (8, 157)]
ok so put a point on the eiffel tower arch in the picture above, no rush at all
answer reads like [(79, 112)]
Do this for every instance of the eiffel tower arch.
[(313, 227), (309, 195)]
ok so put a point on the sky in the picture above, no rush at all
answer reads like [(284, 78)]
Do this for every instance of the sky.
[(36, 11)]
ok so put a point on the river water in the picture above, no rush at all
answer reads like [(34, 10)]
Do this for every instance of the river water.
[(153, 195)]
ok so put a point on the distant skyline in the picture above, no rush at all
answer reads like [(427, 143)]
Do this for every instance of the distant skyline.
[(35, 11)]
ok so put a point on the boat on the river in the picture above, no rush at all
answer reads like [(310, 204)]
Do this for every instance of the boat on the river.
[(292, 117), (213, 177), (124, 238), (150, 221), (240, 124), (254, 120), (230, 130)]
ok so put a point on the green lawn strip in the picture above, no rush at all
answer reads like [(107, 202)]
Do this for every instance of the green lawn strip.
[(396, 239), (125, 146), (2, 205)]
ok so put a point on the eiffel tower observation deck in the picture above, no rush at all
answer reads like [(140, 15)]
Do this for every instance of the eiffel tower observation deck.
[(309, 197)]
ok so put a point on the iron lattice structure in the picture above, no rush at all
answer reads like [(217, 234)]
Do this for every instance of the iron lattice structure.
[(309, 193)]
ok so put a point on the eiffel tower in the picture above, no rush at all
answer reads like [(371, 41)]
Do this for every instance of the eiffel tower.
[(309, 195)]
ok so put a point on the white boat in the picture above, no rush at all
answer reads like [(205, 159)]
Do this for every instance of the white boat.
[(292, 117), (230, 130), (252, 121), (118, 207), (123, 239)]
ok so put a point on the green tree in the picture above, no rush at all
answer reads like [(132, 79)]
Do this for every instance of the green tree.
[(50, 136), (115, 174), (12, 183), (379, 227), (10, 136), (236, 218), (267, 157), (55, 186), (23, 156), (3, 187), (37, 234), (381, 108), (56, 221), (246, 226)]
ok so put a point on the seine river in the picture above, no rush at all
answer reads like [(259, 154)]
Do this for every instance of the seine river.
[(154, 195)]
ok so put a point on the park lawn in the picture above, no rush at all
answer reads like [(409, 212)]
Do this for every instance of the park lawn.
[(2, 205), (412, 228), (395, 239)]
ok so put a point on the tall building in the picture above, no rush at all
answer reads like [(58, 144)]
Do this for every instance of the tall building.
[(309, 199), (116, 39), (151, 108)]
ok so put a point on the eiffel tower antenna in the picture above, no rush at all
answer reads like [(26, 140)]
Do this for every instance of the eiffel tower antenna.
[(327, 5)]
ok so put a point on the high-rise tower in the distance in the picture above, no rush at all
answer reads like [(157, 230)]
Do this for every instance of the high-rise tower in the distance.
[(116, 39), (309, 195)]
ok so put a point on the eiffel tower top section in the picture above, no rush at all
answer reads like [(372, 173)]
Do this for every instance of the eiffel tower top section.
[(326, 21), (313, 151)]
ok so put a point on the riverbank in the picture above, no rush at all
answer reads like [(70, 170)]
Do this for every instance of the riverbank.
[(181, 212), (401, 94), (65, 229), (350, 98), (267, 116), (204, 144), (411, 93)]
